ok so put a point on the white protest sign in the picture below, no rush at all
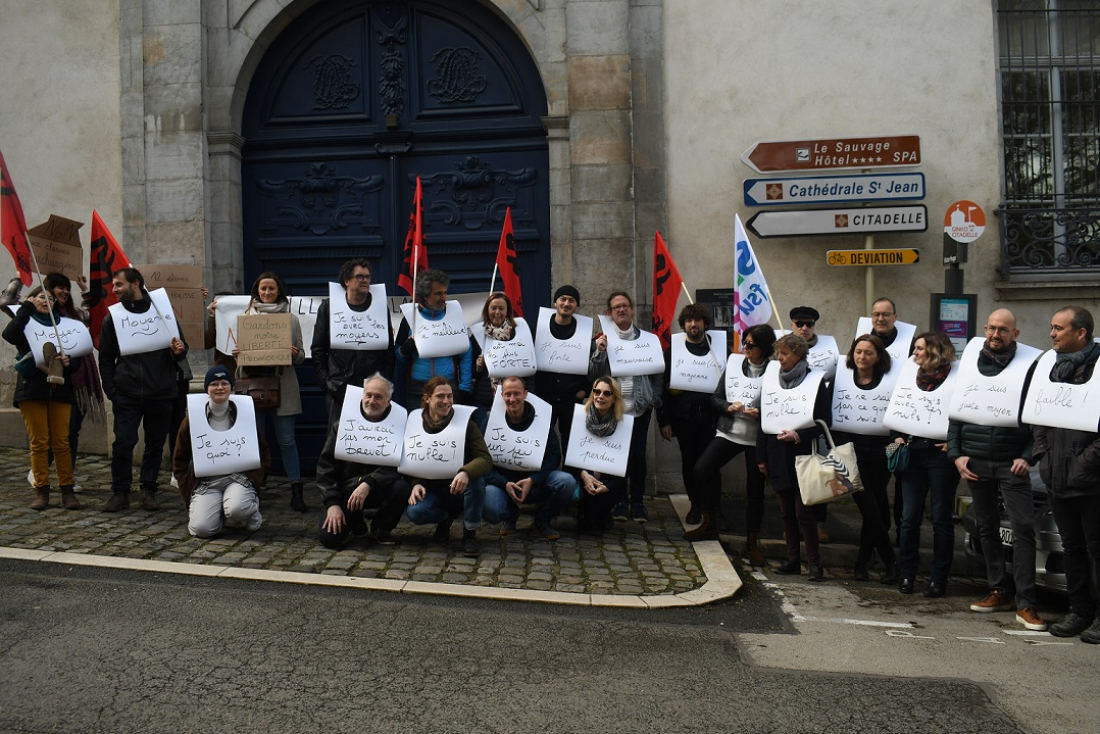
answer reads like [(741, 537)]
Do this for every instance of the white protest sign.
[(606, 455), (378, 443), (435, 455), (739, 387), (562, 356), (787, 409), (503, 358), (228, 308), (632, 357), (75, 338), (990, 401), (145, 332), (518, 450), (217, 453), (442, 338), (1059, 404), (358, 330), (856, 410), (823, 355), (694, 372), (916, 412)]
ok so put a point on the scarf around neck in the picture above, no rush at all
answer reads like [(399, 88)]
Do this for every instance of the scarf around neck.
[(929, 381), (501, 333), (597, 425), (795, 375), (1066, 364), (1001, 358)]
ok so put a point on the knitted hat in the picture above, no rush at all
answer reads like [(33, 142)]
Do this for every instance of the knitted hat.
[(217, 372), (568, 290)]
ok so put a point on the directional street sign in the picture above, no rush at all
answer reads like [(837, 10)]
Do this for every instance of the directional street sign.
[(903, 256), (833, 154), (849, 220), (792, 191)]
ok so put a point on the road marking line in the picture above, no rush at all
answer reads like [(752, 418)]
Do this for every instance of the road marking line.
[(1044, 642), (1025, 633), (992, 640), (902, 633), (862, 622)]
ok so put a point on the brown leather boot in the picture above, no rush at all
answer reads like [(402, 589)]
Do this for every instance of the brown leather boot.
[(68, 498), (707, 530), (41, 498), (752, 549)]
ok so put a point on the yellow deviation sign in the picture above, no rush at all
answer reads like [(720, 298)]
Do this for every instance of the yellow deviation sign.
[(902, 256)]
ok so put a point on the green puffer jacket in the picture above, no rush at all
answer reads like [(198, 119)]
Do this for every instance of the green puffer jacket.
[(988, 442)]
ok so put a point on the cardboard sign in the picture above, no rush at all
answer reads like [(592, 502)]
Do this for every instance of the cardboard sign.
[(442, 338), (183, 284), (787, 409), (518, 450), (171, 275), (435, 455), (264, 339), (856, 410), (363, 331), (376, 443), (632, 357), (693, 372), (1060, 405), (56, 246), (217, 453), (990, 401), (915, 412), (145, 332), (505, 358), (76, 340), (562, 357), (228, 308), (606, 455)]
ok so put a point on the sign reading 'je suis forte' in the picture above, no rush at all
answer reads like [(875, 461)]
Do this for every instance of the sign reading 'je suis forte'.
[(826, 154)]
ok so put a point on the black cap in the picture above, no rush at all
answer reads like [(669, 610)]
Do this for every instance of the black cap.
[(568, 290), (804, 312)]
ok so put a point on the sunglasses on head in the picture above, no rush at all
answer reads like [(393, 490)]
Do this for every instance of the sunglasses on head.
[(801, 324)]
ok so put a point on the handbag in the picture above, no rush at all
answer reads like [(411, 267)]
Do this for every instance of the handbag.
[(264, 391), (829, 477), (897, 456)]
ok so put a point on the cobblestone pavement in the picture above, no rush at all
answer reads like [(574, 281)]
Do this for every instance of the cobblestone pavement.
[(631, 559)]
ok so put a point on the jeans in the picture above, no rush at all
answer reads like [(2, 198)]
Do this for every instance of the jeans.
[(284, 435), (708, 480), (996, 477), (439, 505), (929, 474), (694, 438), (553, 497), (211, 508), (47, 424), (1078, 520), (129, 414), (636, 462)]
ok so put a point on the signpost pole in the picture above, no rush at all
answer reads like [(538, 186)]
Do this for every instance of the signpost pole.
[(869, 277)]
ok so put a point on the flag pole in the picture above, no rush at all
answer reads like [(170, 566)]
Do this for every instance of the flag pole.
[(49, 296), (493, 282), (687, 292)]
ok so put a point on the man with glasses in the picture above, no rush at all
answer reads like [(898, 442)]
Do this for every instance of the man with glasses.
[(994, 460), (338, 367)]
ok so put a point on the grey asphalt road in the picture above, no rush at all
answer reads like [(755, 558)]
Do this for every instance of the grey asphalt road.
[(93, 650)]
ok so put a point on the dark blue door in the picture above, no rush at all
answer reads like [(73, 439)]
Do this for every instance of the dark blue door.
[(348, 106)]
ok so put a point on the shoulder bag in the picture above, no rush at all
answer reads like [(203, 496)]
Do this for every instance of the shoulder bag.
[(829, 477)]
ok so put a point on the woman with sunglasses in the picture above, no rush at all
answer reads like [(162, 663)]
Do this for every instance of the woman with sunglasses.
[(737, 401), (601, 491)]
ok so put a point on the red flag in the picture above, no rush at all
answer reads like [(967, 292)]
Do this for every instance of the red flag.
[(506, 264), (666, 291), (415, 254), (13, 226), (105, 258)]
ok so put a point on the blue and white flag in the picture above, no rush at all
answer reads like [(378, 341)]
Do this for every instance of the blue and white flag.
[(752, 302)]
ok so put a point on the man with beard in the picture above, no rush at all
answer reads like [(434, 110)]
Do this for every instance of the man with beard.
[(994, 461), (563, 390)]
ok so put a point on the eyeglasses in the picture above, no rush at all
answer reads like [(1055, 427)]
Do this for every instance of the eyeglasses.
[(882, 315), (361, 278), (801, 324), (622, 307), (602, 393)]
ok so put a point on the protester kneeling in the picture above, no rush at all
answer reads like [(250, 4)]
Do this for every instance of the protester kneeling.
[(220, 458)]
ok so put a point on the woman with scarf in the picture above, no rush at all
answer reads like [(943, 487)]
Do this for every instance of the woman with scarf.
[(603, 411), (930, 473), (44, 400), (498, 322), (793, 398), (269, 296)]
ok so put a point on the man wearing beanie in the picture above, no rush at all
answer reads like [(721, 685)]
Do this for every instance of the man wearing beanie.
[(562, 391), (216, 499)]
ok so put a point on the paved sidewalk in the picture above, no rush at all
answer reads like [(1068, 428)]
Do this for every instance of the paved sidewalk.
[(628, 565)]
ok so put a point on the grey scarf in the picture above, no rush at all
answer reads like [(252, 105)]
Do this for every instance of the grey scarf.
[(1066, 364), (795, 375), (597, 425)]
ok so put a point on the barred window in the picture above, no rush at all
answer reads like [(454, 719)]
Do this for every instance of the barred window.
[(1050, 108)]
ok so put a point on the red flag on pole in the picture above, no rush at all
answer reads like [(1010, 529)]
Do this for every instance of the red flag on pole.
[(415, 254), (506, 264), (13, 225), (105, 258), (666, 291)]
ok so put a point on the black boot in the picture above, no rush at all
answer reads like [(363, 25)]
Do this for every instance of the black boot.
[(297, 502)]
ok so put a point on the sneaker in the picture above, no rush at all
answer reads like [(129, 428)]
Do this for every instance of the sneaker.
[(470, 547), (1092, 634), (620, 512), (508, 528), (547, 530), (442, 532), (255, 522), (118, 501), (638, 513), (383, 537), (1030, 619), (149, 501), (1071, 625), (994, 601)]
